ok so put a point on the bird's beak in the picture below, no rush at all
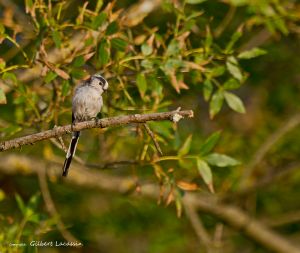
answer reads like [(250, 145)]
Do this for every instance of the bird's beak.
[(105, 86)]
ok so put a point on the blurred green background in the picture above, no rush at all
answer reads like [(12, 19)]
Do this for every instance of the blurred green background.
[(235, 63)]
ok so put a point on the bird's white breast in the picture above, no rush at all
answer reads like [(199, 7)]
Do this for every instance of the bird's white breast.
[(87, 102)]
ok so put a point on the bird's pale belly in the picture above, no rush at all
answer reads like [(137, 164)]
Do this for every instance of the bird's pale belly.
[(86, 104)]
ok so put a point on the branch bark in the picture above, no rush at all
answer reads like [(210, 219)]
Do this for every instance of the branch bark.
[(247, 225), (98, 123)]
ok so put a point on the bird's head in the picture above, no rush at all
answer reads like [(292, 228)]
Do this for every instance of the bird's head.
[(99, 80)]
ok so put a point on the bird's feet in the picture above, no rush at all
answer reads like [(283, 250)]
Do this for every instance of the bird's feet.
[(96, 119), (72, 126)]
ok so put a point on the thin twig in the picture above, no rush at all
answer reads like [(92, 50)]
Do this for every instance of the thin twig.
[(225, 22), (257, 40), (104, 166), (284, 219), (149, 131), (196, 223), (290, 124), (279, 174), (75, 157), (217, 240), (115, 164), (101, 123)]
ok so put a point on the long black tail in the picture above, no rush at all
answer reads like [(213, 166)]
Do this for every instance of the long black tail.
[(71, 153)]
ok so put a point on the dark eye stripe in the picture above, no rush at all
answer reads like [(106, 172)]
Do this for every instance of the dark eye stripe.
[(102, 80)]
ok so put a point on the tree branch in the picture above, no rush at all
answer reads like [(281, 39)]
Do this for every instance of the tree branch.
[(233, 216), (247, 225), (98, 123), (152, 135)]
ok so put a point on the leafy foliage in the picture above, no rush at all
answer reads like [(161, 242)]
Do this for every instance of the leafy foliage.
[(32, 225), (193, 54)]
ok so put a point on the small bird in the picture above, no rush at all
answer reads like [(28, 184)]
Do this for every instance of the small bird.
[(86, 104)]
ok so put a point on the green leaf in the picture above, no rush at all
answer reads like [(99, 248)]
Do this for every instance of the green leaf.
[(185, 148), (89, 42), (2, 97), (98, 5), (280, 24), (252, 53), (104, 52), (234, 102), (147, 64), (34, 200), (11, 130), (194, 1), (233, 68), (146, 49), (119, 44), (9, 76), (2, 29), (164, 128), (231, 84), (20, 203), (28, 4), (189, 24), (78, 61), (28, 212), (194, 15), (78, 73), (56, 38), (172, 64), (173, 48), (112, 28), (216, 103), (22, 89), (19, 115), (239, 2), (217, 71), (207, 89), (2, 64), (221, 160), (178, 203), (141, 83), (98, 20), (50, 76), (208, 40), (156, 86), (19, 100), (234, 38), (210, 143), (35, 218), (186, 163), (205, 172), (65, 88), (270, 26), (2, 195)]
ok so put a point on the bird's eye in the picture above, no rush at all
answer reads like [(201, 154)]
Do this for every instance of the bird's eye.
[(102, 81)]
